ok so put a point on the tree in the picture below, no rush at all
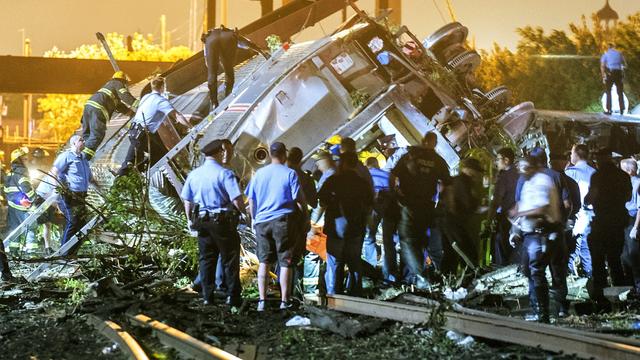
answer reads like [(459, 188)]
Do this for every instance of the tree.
[(535, 72), (62, 113)]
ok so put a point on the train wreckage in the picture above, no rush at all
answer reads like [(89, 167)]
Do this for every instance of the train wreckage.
[(364, 81)]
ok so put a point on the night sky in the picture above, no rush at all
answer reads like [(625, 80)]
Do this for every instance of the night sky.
[(69, 23)]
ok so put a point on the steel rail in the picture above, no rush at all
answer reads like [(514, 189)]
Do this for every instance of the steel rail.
[(477, 323), (115, 333), (182, 342)]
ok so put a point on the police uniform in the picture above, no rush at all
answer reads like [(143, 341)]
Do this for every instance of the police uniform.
[(19, 194), (613, 62), (418, 172), (539, 191), (152, 111), (212, 188), (74, 173), (220, 46), (112, 96)]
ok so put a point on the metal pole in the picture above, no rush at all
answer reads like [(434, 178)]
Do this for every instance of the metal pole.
[(163, 32), (224, 9), (266, 6), (28, 98)]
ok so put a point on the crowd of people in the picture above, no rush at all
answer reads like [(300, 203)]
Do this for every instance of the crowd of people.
[(564, 214)]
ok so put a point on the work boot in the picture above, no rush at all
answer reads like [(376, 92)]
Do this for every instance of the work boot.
[(542, 295)]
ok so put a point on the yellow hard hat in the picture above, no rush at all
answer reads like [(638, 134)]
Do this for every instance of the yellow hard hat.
[(21, 151), (120, 75)]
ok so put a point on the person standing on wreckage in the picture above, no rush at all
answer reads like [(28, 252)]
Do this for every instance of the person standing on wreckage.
[(153, 110), (220, 47), (415, 179), (113, 95), (539, 218)]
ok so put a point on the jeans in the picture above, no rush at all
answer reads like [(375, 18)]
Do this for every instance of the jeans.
[(344, 246), (389, 255), (73, 208), (536, 255), (219, 239), (606, 242), (582, 251), (414, 222), (457, 235)]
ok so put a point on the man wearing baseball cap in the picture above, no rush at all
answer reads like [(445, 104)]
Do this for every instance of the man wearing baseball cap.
[(275, 203)]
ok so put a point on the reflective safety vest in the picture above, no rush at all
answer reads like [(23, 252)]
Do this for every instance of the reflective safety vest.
[(17, 188), (112, 96)]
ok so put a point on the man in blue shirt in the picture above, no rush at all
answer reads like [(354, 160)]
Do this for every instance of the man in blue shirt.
[(612, 64), (383, 202), (212, 198), (152, 111), (72, 171), (581, 173), (275, 203)]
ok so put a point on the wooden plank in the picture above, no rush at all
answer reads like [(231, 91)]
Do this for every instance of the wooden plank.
[(181, 341), (115, 333), (476, 323)]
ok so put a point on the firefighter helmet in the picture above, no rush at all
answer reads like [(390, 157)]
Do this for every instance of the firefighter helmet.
[(39, 153), (18, 152), (120, 75)]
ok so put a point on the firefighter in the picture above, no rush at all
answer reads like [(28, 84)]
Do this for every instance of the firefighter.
[(112, 96), (20, 195), (220, 46)]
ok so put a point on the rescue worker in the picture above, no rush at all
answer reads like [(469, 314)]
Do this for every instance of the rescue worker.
[(385, 209), (308, 187), (152, 111), (503, 200), (609, 192), (612, 65), (461, 200), (72, 172), (417, 173), (326, 165), (220, 46), (347, 199), (347, 144), (631, 252), (274, 193), (20, 195), (580, 171), (113, 95), (538, 210), (212, 202)]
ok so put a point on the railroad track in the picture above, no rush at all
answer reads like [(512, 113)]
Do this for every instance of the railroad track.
[(490, 326), (188, 346)]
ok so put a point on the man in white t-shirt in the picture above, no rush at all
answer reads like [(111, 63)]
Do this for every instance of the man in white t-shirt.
[(539, 219)]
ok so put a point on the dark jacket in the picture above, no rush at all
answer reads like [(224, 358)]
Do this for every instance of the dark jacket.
[(112, 96), (609, 192), (17, 186)]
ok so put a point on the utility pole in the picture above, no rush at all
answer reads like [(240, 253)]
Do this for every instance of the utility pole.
[(163, 32), (224, 10), (28, 98), (211, 14), (396, 5), (266, 6)]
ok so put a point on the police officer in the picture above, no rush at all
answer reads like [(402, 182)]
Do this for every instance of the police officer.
[(112, 96), (72, 171), (220, 46), (212, 200), (539, 213), (20, 194), (152, 111), (612, 64), (418, 173)]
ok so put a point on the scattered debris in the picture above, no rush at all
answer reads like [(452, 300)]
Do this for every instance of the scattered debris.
[(298, 321)]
